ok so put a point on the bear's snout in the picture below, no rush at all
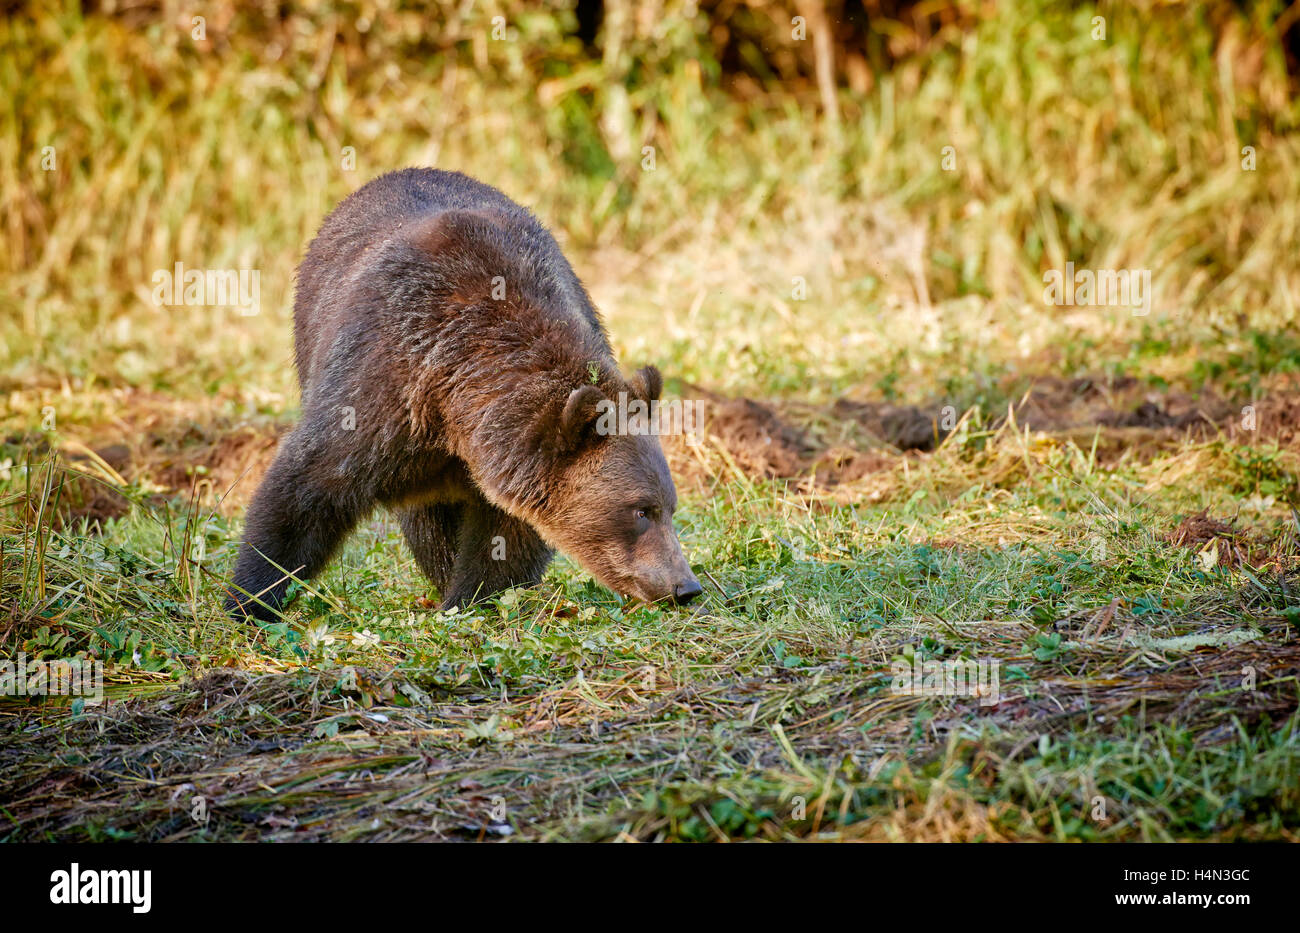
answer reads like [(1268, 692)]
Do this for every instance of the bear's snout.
[(676, 585), (669, 580), (687, 590)]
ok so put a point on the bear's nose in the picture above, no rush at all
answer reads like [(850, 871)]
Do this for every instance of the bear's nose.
[(685, 592)]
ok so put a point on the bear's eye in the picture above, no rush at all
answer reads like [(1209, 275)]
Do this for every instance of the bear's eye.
[(642, 517)]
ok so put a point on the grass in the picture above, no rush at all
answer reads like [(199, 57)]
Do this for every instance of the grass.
[(1131, 569)]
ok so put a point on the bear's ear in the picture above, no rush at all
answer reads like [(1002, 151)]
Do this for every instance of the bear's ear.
[(579, 415), (647, 383)]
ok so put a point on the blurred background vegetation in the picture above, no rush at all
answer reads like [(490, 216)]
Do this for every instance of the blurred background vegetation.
[(774, 157)]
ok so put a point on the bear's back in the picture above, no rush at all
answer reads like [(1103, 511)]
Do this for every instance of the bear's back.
[(340, 256)]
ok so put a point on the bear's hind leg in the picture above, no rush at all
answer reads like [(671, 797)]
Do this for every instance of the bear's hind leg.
[(432, 532), (495, 552)]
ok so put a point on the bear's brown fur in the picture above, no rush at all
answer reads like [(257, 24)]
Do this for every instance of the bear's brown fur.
[(452, 366)]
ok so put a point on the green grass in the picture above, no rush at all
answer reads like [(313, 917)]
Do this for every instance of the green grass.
[(590, 719), (1148, 689)]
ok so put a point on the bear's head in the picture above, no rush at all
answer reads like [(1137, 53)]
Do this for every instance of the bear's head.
[(560, 439), (611, 499)]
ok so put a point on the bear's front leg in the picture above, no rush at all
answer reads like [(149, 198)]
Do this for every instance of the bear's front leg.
[(495, 552), (294, 526)]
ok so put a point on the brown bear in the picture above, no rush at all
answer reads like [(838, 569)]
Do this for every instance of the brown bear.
[(453, 369)]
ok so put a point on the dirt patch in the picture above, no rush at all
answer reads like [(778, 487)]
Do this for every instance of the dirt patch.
[(781, 441), (850, 440), (1223, 544), (88, 500), (1123, 418), (92, 502), (758, 440), (71, 490), (1274, 417), (225, 463), (1053, 405), (840, 465), (1199, 532), (905, 426), (170, 446), (221, 463), (1150, 415)]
